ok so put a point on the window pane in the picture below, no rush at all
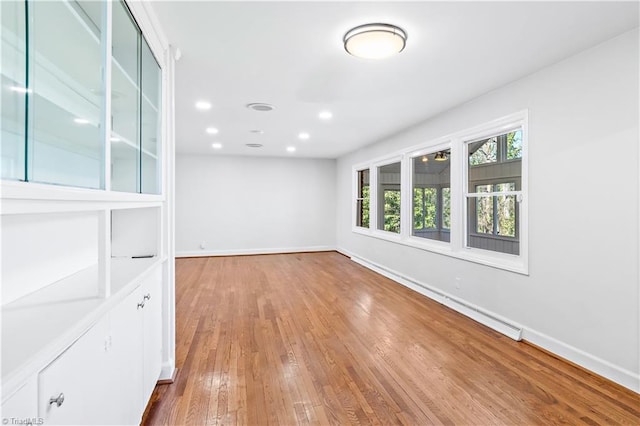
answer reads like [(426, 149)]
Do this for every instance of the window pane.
[(151, 119), (514, 145), (483, 152), (506, 224), (65, 106), (389, 198), (446, 208), (430, 201), (499, 211), (431, 175), (484, 215), (125, 101), (504, 187), (362, 218), (418, 208), (14, 60), (392, 210)]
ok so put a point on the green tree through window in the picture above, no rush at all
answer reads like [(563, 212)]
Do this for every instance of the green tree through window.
[(392, 210)]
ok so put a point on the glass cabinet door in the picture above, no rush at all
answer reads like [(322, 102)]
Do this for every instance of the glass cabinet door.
[(125, 101), (14, 90), (151, 132), (64, 132), (54, 83)]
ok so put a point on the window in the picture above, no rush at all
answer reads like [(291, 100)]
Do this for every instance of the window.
[(431, 195), (462, 196), (362, 200), (389, 200), (494, 175)]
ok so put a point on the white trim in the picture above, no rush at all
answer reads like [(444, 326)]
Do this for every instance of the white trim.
[(506, 326), (249, 252), (619, 375)]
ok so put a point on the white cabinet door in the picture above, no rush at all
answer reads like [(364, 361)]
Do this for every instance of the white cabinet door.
[(22, 405), (126, 360), (152, 323), (71, 390)]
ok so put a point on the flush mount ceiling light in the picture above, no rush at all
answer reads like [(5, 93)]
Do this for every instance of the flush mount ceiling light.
[(303, 136), (291, 149), (212, 130), (262, 107), (375, 41), (216, 145)]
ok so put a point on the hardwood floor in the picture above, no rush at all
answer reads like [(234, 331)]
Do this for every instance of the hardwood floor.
[(314, 338)]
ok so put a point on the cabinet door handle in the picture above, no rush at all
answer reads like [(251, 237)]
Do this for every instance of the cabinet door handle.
[(141, 305), (58, 401), (147, 296)]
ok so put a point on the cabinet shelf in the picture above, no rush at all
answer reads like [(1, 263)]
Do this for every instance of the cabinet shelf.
[(38, 326)]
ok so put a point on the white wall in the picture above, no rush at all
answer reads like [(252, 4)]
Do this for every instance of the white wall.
[(581, 298), (240, 205)]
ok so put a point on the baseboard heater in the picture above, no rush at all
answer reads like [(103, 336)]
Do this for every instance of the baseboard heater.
[(476, 313)]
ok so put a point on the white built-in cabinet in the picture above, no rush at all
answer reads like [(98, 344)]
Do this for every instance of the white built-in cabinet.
[(87, 289)]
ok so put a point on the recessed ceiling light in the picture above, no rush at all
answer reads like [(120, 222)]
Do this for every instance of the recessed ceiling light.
[(203, 105), (254, 145), (325, 115), (262, 107), (216, 145), (20, 89), (291, 149), (212, 130), (375, 41), (81, 120), (304, 136)]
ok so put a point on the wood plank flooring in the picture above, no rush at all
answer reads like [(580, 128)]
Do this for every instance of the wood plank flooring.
[(314, 338)]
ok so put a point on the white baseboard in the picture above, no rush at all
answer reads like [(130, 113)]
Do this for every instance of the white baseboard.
[(616, 374), (247, 252), (506, 326), (483, 316)]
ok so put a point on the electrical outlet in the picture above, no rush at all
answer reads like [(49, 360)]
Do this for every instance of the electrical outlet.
[(203, 245)]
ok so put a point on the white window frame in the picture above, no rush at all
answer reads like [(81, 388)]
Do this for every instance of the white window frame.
[(458, 144), (356, 197), (426, 243)]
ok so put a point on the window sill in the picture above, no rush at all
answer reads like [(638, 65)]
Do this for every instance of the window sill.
[(503, 261)]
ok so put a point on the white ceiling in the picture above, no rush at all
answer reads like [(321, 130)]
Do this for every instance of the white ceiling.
[(290, 54)]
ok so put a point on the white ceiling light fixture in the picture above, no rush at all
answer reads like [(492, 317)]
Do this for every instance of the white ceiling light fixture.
[(260, 107), (303, 136), (216, 145), (81, 121), (203, 105), (212, 130), (325, 115), (375, 41), (291, 149)]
